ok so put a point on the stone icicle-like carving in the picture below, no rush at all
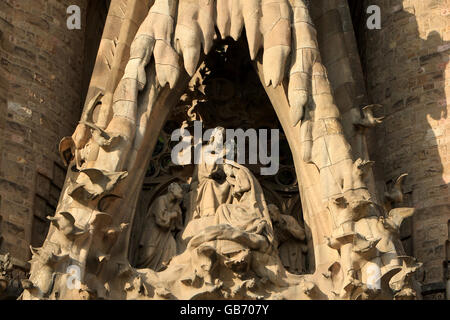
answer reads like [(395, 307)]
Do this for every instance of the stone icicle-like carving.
[(108, 154)]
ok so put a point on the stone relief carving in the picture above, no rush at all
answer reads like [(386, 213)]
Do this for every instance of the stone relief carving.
[(207, 192), (228, 230), (290, 237), (362, 120), (5, 274), (164, 218), (11, 278)]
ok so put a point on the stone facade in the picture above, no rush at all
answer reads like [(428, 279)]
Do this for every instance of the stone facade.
[(45, 70), (41, 98), (407, 71)]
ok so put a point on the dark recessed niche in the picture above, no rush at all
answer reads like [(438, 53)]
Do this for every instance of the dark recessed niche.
[(151, 170), (39, 232), (286, 177), (170, 127)]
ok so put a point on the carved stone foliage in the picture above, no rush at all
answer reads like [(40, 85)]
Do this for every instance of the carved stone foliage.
[(215, 238)]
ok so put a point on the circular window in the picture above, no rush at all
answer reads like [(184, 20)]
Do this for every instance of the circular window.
[(286, 177)]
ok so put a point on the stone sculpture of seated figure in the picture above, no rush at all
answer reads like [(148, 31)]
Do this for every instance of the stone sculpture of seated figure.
[(228, 238), (238, 234)]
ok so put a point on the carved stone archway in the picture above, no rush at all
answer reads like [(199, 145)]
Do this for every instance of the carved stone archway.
[(156, 48), (226, 92)]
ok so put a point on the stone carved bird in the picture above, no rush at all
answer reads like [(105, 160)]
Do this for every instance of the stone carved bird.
[(92, 183), (361, 170), (395, 219), (70, 147), (65, 222), (395, 195), (363, 166), (402, 280), (368, 120)]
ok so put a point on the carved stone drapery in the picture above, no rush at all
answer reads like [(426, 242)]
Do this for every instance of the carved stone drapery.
[(157, 243)]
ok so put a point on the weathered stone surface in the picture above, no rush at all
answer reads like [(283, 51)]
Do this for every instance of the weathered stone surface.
[(41, 65), (406, 65), (229, 247), (149, 52)]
